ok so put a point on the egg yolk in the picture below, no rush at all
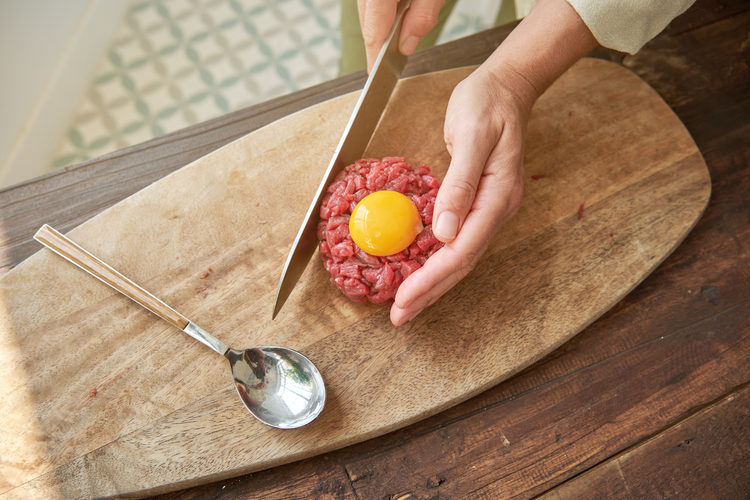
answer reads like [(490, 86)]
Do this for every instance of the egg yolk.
[(384, 223)]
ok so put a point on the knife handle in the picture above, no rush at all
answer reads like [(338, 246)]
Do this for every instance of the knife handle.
[(69, 250)]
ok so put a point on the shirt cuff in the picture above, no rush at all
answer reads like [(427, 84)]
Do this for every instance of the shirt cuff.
[(626, 25)]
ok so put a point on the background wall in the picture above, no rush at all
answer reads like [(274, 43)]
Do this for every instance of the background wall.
[(48, 52), (83, 78)]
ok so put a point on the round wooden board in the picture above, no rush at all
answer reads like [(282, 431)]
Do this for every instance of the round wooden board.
[(211, 240)]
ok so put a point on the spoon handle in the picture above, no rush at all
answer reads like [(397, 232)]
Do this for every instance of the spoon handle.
[(81, 258)]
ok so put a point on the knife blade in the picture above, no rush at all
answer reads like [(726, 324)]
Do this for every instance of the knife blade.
[(357, 134)]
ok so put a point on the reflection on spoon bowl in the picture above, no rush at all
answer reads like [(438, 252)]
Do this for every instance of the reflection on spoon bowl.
[(296, 385)]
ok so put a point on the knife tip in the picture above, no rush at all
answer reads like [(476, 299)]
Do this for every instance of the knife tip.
[(278, 303)]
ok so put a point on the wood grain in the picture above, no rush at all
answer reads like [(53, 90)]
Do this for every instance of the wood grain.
[(161, 422), (76, 255), (705, 276), (565, 426), (680, 455), (68, 197)]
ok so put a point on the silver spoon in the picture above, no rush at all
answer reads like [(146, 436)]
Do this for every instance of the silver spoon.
[(279, 386)]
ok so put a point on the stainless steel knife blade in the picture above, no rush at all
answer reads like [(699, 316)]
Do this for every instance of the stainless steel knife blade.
[(357, 134)]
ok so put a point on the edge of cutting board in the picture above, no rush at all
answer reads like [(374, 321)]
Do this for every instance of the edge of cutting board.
[(545, 277)]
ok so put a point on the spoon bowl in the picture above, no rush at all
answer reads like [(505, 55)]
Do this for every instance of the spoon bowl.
[(279, 386), (289, 376)]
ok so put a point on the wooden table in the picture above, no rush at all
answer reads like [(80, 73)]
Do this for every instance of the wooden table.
[(652, 400)]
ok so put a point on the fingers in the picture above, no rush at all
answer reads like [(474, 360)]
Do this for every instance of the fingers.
[(446, 262), (421, 18), (470, 148), (497, 200), (376, 18), (484, 131), (498, 197), (470, 136)]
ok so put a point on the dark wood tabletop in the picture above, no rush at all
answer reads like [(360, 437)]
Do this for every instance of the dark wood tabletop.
[(650, 401)]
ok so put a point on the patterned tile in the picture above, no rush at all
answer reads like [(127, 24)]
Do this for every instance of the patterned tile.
[(173, 63), (469, 17)]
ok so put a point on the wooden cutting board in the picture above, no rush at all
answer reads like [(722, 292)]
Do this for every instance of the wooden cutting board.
[(102, 398)]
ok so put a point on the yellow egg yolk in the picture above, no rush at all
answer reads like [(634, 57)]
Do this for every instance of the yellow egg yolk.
[(384, 223)]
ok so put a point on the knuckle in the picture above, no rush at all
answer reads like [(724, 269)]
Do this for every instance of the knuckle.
[(515, 201), (473, 129), (461, 194), (468, 263), (512, 199), (370, 37), (423, 22), (465, 263)]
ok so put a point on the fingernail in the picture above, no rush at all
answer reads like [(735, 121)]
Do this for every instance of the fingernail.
[(446, 226), (409, 45)]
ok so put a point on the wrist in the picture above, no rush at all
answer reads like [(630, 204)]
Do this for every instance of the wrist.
[(540, 49)]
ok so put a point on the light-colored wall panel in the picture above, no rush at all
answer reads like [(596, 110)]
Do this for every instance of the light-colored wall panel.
[(48, 52)]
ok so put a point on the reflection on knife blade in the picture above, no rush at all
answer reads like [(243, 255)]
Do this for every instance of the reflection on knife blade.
[(378, 88)]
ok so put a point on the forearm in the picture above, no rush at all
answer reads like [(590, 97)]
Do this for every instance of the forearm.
[(543, 46)]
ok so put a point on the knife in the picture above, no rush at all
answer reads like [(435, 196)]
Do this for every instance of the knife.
[(367, 112)]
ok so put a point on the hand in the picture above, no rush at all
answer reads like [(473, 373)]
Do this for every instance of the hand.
[(376, 18), (485, 126)]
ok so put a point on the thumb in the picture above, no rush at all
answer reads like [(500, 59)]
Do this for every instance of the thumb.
[(456, 195)]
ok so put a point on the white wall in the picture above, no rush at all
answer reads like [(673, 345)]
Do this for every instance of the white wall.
[(49, 50)]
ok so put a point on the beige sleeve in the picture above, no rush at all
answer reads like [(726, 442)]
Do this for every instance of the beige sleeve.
[(626, 25)]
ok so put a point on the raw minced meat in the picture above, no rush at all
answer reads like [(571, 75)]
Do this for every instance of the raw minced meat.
[(359, 275)]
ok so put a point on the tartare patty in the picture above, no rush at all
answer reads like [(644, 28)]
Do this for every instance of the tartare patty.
[(359, 275)]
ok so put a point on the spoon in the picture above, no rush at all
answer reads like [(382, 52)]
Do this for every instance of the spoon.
[(279, 386)]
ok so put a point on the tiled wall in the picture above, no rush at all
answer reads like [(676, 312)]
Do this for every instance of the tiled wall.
[(173, 63), (49, 50)]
